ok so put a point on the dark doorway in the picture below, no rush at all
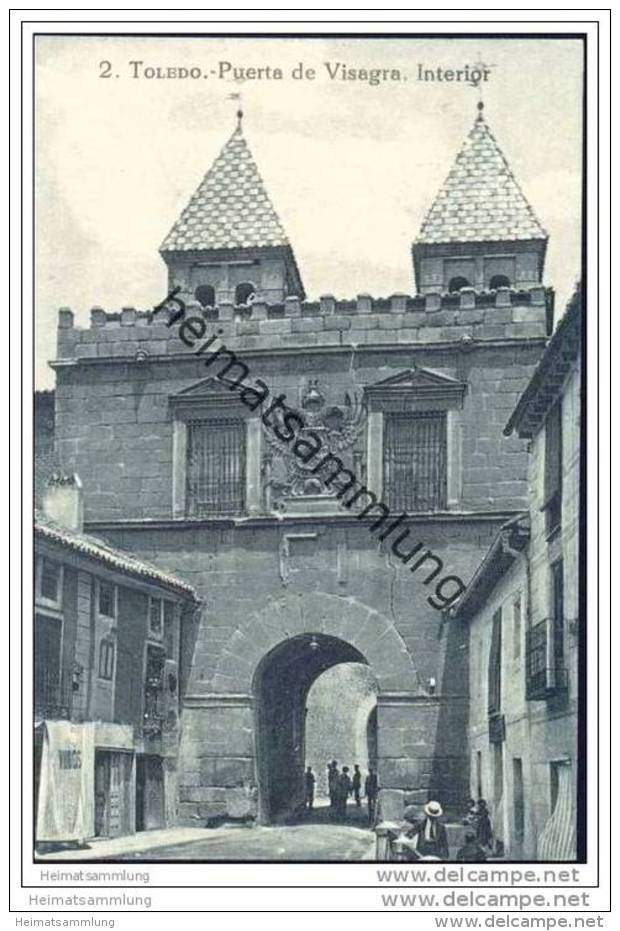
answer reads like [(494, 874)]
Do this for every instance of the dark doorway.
[(149, 792), (113, 778), (47, 684), (281, 686)]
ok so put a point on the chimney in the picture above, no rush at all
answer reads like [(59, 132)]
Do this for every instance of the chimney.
[(63, 501)]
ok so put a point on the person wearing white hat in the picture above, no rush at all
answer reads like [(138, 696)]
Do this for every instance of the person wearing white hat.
[(430, 838)]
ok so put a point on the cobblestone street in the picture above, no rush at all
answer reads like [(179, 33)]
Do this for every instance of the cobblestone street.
[(297, 842), (313, 837)]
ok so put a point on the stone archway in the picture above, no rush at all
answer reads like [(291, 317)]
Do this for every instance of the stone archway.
[(277, 654), (281, 685), (369, 632)]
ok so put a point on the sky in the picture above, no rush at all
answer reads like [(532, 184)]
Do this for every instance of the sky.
[(350, 168)]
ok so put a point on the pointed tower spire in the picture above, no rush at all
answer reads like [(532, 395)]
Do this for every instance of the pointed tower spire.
[(482, 213), (230, 234)]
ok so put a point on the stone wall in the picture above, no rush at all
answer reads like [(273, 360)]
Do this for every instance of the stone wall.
[(115, 429), (400, 319), (114, 423), (375, 605)]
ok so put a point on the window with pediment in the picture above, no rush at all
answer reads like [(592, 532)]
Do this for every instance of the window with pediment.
[(413, 456), (215, 466), (414, 460), (216, 453)]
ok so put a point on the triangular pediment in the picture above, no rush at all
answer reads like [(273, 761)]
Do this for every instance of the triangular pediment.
[(418, 378), (205, 388), (208, 391)]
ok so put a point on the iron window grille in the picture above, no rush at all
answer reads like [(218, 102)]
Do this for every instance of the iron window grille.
[(107, 599), (552, 505), (215, 467), (48, 582), (415, 467), (544, 660), (106, 658), (53, 698), (497, 723)]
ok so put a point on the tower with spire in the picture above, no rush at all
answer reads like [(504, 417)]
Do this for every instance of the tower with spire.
[(480, 230), (228, 245), (184, 458)]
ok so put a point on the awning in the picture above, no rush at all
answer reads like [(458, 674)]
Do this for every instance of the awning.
[(66, 808), (558, 839)]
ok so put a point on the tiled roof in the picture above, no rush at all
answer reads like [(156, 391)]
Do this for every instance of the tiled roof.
[(230, 209), (545, 385), (480, 200), (94, 548), (513, 537)]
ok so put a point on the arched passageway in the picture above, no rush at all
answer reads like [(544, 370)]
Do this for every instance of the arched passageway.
[(339, 706), (281, 685)]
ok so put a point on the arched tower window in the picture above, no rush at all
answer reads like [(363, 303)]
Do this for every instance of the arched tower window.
[(205, 295), (244, 293), (457, 283), (499, 281)]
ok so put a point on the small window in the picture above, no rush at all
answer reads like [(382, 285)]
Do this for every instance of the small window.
[(107, 599), (106, 658), (205, 295), (554, 783), (155, 616), (518, 798), (498, 773), (50, 580), (457, 283), (245, 293), (557, 611), (516, 627), (552, 504), (478, 771), (169, 630), (499, 281), (494, 679)]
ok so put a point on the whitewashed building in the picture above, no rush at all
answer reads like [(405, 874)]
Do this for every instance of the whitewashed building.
[(523, 608)]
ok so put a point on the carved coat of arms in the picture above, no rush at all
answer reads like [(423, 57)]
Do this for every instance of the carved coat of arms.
[(337, 429)]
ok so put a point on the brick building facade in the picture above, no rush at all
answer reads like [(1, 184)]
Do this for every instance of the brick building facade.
[(411, 392)]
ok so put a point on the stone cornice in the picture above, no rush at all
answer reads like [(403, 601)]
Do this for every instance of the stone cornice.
[(269, 520), (270, 351)]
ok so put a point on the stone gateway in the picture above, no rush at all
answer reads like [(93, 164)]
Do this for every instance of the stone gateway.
[(409, 392)]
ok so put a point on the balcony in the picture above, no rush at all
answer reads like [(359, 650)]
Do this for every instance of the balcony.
[(545, 674), (53, 697)]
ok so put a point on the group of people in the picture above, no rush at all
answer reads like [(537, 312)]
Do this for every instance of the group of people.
[(340, 785), (480, 834), (424, 836)]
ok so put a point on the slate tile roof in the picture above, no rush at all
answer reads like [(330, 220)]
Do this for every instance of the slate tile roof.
[(546, 384), (94, 548), (480, 200), (230, 209)]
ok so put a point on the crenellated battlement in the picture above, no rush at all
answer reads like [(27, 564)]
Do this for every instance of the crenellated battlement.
[(465, 317)]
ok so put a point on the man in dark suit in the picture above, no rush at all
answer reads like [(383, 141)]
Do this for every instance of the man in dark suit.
[(427, 838)]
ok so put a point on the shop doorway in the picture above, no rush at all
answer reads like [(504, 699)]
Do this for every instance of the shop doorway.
[(149, 792), (113, 793)]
